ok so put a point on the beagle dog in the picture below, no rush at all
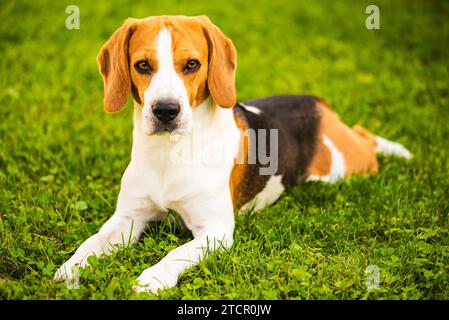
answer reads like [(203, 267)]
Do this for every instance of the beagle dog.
[(199, 153)]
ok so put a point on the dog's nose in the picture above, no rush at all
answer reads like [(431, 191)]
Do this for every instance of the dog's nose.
[(166, 111)]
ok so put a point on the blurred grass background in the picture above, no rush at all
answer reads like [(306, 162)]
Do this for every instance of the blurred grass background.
[(62, 157)]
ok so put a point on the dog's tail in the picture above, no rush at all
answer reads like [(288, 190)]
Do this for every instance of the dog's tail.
[(391, 148)]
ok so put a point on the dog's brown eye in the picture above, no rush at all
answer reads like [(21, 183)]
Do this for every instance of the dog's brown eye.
[(143, 67), (191, 66)]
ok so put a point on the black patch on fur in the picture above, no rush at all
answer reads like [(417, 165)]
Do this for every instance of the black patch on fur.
[(297, 119)]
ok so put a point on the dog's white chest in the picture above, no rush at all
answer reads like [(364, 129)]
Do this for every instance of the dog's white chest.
[(173, 169)]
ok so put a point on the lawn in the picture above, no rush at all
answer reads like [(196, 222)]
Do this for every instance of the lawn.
[(62, 156)]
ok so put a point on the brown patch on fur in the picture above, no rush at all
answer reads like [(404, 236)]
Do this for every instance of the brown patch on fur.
[(143, 46), (357, 145), (190, 43), (362, 132), (236, 185), (322, 160)]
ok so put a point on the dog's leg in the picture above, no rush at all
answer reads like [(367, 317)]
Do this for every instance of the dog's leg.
[(212, 224), (133, 213)]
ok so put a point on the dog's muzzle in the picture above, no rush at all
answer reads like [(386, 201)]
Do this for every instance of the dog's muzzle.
[(166, 111), (166, 115)]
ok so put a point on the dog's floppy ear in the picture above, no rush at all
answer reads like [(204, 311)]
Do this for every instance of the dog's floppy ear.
[(114, 67), (222, 65)]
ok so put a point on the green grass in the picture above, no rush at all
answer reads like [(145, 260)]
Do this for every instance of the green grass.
[(62, 157)]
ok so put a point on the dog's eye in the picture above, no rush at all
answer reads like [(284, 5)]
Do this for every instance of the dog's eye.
[(192, 66), (143, 67)]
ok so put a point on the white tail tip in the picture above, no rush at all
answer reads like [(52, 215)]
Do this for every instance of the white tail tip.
[(388, 148)]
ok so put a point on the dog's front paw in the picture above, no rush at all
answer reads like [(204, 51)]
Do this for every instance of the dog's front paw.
[(154, 279), (67, 271)]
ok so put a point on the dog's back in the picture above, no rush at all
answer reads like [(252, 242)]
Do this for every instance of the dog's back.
[(286, 125), (310, 142)]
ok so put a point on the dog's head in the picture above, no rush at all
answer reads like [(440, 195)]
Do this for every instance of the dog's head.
[(170, 65)]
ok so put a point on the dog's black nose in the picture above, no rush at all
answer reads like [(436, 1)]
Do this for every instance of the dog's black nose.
[(166, 111)]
